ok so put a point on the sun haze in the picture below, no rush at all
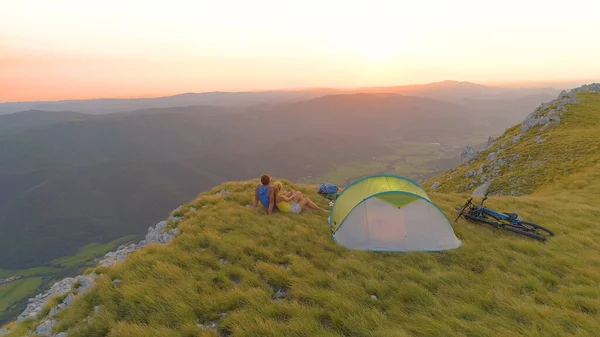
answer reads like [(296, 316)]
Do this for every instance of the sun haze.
[(81, 49)]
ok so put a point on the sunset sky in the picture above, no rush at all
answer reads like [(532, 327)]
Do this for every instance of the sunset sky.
[(83, 49)]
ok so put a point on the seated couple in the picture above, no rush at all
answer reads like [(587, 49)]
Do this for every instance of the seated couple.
[(272, 197)]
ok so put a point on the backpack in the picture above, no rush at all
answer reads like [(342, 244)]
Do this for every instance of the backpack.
[(329, 191)]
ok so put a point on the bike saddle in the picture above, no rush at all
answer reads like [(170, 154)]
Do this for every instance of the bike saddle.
[(512, 216)]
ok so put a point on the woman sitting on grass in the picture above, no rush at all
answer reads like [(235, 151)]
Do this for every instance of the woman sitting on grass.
[(292, 201)]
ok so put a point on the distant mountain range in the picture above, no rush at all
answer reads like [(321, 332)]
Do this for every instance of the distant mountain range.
[(446, 90), (109, 168)]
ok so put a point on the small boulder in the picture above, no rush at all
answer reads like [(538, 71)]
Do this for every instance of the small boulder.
[(467, 155), (69, 299), (44, 329), (491, 156), (470, 173), (61, 334), (528, 124), (4, 332), (374, 298), (482, 190), (563, 94), (515, 139), (280, 295), (435, 185)]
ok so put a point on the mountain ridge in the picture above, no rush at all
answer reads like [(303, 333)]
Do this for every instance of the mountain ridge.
[(449, 90), (522, 159)]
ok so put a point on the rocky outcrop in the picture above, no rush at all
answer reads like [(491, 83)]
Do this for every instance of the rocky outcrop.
[(3, 331), (45, 329), (470, 173), (467, 155), (546, 115), (81, 283), (155, 234), (482, 190), (490, 142), (58, 289)]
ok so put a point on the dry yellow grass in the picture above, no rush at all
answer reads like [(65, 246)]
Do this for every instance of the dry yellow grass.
[(234, 261)]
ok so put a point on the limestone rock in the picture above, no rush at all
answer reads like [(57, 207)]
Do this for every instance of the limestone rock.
[(467, 155), (482, 190), (45, 329), (470, 173), (224, 192), (69, 299), (594, 87), (491, 156), (563, 94), (528, 124), (516, 139), (435, 185)]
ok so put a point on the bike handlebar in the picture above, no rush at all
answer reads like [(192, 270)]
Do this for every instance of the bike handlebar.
[(462, 210)]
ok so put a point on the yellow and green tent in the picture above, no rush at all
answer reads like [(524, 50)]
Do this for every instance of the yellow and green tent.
[(390, 213)]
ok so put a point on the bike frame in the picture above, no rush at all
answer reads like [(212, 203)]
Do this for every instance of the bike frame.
[(496, 215), (486, 211)]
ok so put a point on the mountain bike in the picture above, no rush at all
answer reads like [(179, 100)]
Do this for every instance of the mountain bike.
[(502, 220)]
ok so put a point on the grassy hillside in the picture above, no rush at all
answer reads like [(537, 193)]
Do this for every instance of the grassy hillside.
[(520, 163), (240, 273)]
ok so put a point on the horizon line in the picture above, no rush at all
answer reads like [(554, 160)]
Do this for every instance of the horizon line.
[(500, 84)]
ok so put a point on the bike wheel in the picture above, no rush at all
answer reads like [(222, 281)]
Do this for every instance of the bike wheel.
[(524, 232), (535, 227), (480, 219)]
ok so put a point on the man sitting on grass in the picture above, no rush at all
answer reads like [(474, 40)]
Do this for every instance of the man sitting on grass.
[(265, 194)]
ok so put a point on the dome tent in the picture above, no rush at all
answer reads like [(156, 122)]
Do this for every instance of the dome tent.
[(390, 213)]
